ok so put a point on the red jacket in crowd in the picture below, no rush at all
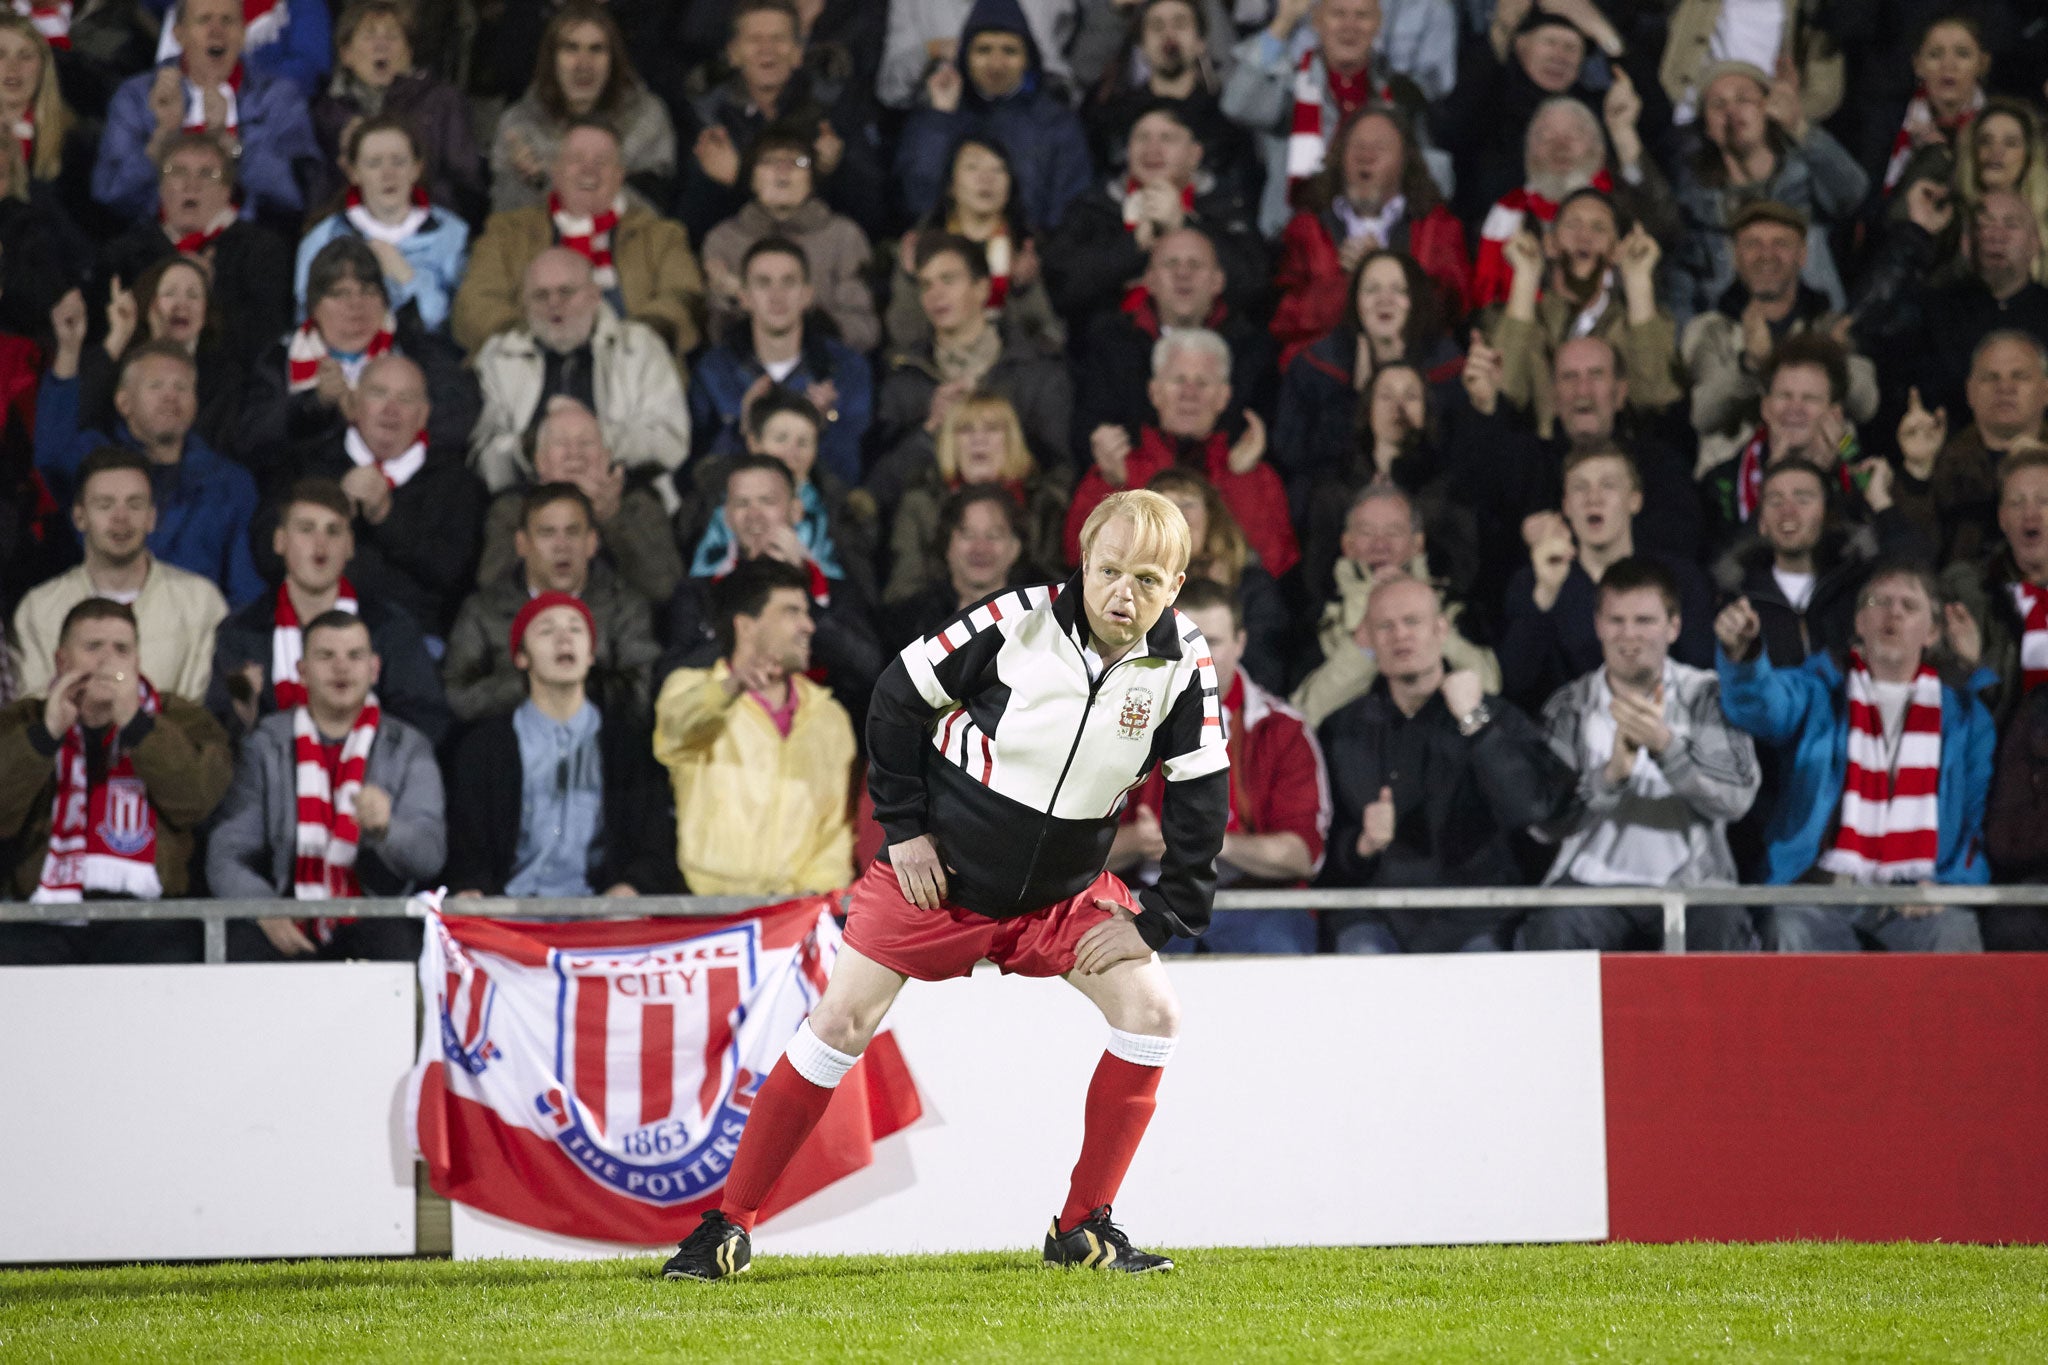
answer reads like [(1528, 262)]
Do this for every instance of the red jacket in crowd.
[(1257, 498)]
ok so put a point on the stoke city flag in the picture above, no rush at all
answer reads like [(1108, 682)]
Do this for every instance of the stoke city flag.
[(593, 1078)]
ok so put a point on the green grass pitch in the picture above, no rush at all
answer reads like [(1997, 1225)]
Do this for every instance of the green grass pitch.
[(1805, 1301)]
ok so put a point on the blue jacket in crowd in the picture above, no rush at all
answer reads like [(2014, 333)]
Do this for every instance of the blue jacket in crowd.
[(438, 254), (1805, 711), (720, 378), (273, 125), (1044, 138), (204, 503)]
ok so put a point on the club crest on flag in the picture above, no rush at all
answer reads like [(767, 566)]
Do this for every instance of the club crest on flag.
[(647, 1044), (124, 826)]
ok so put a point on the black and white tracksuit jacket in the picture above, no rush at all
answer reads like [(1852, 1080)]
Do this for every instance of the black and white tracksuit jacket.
[(990, 736)]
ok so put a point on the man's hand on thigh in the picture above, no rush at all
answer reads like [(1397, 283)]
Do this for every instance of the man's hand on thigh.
[(1114, 940)]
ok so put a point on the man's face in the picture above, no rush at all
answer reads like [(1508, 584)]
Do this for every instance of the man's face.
[(1795, 408), (1600, 502), (1346, 31), (557, 544), (588, 173), (315, 544), (1183, 278), (1551, 56), (1636, 631), (389, 406), (782, 180), (1190, 393), (1380, 534), (782, 632), (1590, 394), (1407, 629), (1125, 584), (561, 300), (1163, 152), (775, 293), (2004, 240), (339, 668), (557, 648), (790, 439), (158, 400), (1733, 110), (948, 291), (571, 448), (583, 63), (1582, 241), (1170, 39), (983, 550), (2023, 519), (2008, 391), (764, 50), (1374, 161), (193, 189), (115, 513), (1560, 144), (1895, 623), (98, 646), (211, 32), (1768, 259), (349, 315), (997, 63), (756, 504), (981, 183), (1792, 513), (1226, 642)]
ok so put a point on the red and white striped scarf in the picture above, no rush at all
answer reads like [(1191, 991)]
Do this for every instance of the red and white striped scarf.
[(1890, 820), (1749, 473), (25, 134), (399, 469), (590, 238), (997, 250), (53, 21), (1920, 110), (324, 867), (369, 225), (1491, 273), (195, 103), (2032, 603), (192, 243), (307, 348), (288, 644), (1307, 138), (102, 838)]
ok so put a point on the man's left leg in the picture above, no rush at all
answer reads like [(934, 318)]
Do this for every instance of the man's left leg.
[(1137, 1000), (1948, 929)]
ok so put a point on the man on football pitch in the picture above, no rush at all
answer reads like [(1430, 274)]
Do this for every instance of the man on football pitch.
[(1000, 752)]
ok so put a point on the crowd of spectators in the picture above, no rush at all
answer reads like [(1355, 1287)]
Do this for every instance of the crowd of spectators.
[(500, 443)]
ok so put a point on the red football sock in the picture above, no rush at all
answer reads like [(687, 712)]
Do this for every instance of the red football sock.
[(1120, 1104), (785, 1111)]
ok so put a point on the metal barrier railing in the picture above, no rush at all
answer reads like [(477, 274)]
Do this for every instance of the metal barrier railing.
[(1672, 901)]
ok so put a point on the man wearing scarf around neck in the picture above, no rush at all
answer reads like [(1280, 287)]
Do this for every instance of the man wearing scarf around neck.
[(333, 800), (1888, 767), (418, 510), (261, 119), (103, 780)]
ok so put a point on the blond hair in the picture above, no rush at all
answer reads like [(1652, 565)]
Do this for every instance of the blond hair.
[(1017, 465), (1159, 526), (51, 116)]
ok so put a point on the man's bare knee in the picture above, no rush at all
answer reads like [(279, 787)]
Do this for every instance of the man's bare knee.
[(855, 1002), (844, 1029), (1136, 999)]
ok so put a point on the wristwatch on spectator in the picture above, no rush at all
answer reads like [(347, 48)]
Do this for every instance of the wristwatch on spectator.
[(1473, 721)]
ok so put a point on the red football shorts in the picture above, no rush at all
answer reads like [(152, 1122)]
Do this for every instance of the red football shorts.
[(933, 945)]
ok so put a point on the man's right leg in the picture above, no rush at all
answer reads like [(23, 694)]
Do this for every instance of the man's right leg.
[(793, 1098), (1808, 929)]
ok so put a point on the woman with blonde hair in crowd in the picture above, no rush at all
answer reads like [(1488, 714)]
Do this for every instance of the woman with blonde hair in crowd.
[(1223, 556), (980, 442), (2006, 149)]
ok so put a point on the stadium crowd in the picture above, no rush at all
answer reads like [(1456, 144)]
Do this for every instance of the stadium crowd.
[(500, 443)]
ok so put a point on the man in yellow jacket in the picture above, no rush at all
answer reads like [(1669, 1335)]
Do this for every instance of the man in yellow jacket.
[(761, 756)]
